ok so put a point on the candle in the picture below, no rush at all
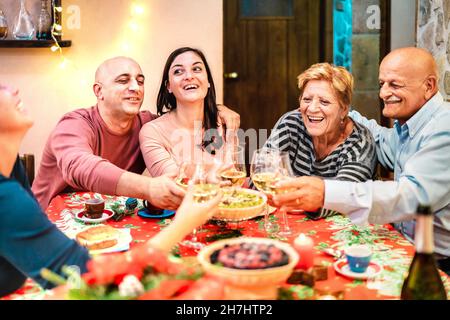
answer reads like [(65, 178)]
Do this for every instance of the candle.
[(304, 246)]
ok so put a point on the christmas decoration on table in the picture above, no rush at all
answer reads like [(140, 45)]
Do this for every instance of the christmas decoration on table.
[(223, 231), (121, 211), (144, 273)]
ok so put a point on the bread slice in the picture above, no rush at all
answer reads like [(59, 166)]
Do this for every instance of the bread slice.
[(98, 237)]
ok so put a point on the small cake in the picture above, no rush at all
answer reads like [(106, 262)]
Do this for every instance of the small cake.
[(250, 256)]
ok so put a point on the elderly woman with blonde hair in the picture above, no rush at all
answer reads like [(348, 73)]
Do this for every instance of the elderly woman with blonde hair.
[(319, 136)]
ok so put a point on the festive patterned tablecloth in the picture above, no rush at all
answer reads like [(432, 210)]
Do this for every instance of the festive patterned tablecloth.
[(391, 250)]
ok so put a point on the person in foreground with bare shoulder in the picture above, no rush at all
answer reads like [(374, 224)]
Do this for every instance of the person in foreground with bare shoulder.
[(29, 241)]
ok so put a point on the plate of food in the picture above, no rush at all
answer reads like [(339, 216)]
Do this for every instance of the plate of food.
[(104, 239), (81, 216)]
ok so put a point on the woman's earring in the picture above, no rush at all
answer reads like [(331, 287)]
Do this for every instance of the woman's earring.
[(342, 124)]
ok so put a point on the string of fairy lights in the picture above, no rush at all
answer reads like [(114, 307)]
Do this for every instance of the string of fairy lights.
[(136, 11)]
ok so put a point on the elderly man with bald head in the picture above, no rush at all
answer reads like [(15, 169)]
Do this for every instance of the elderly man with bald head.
[(417, 149), (97, 149)]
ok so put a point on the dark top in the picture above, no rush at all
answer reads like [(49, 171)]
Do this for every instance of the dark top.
[(29, 241), (353, 160), (19, 173)]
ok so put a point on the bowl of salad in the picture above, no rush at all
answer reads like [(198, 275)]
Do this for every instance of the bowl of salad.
[(239, 204)]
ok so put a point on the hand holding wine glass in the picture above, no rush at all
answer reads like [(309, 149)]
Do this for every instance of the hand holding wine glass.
[(200, 181)]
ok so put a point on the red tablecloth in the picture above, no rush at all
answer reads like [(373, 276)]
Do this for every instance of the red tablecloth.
[(391, 250)]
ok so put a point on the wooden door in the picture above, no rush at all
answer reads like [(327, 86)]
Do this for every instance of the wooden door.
[(264, 54)]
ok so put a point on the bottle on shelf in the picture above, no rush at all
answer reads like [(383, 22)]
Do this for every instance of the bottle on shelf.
[(24, 28), (3, 25), (423, 281), (44, 28)]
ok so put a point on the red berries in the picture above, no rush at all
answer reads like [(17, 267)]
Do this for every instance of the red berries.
[(250, 256)]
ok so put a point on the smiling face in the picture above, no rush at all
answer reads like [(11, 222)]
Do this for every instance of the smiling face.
[(188, 79), (320, 108), (120, 86), (13, 115), (404, 84)]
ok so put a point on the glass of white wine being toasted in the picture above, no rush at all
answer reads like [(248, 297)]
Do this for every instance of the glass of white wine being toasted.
[(264, 171), (194, 176), (233, 167)]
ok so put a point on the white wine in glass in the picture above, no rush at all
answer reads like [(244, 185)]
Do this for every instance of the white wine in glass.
[(264, 171), (194, 176), (204, 192), (235, 177), (285, 173), (265, 181), (233, 167)]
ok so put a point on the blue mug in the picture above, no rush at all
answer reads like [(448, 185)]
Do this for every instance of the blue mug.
[(358, 258)]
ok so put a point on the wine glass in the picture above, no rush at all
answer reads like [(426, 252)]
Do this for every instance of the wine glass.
[(233, 167), (285, 173), (264, 171), (233, 173), (200, 179)]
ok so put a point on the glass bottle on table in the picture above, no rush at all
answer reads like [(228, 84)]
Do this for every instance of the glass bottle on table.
[(423, 281), (44, 27), (23, 28)]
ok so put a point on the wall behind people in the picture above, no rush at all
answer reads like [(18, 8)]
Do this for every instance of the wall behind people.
[(104, 31), (403, 24)]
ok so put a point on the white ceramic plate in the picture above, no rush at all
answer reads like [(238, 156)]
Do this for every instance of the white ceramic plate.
[(123, 241), (105, 216), (343, 268)]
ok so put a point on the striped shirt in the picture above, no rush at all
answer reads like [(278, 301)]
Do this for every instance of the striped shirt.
[(353, 160)]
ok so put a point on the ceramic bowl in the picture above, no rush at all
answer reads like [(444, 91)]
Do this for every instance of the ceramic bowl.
[(251, 283), (244, 213)]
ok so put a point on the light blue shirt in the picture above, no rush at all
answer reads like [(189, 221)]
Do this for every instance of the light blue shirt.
[(419, 154)]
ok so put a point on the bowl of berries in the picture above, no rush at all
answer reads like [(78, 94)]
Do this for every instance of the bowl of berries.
[(252, 268)]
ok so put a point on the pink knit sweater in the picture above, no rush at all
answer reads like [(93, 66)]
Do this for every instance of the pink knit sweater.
[(83, 154), (165, 145)]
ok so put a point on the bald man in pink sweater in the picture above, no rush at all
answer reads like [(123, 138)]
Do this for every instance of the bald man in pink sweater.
[(97, 149)]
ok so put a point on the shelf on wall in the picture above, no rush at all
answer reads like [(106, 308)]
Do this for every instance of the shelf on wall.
[(33, 43)]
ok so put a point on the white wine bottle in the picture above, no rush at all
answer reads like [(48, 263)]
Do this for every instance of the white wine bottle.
[(423, 281)]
